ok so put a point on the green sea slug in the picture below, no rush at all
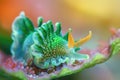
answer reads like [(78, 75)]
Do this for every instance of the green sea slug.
[(44, 46)]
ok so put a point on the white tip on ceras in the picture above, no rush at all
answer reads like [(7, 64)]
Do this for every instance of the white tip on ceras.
[(22, 13)]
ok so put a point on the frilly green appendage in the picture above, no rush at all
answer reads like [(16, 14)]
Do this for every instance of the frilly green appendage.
[(22, 27)]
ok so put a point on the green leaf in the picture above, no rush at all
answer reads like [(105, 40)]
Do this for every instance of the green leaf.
[(115, 46), (19, 75)]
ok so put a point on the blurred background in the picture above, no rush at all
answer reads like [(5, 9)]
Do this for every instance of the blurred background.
[(80, 15)]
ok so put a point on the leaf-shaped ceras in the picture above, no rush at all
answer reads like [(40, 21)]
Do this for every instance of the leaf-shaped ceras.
[(44, 46)]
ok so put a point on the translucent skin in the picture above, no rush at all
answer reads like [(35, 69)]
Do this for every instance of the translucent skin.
[(43, 45)]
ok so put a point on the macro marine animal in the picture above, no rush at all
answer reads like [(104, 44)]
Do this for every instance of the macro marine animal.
[(43, 45)]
